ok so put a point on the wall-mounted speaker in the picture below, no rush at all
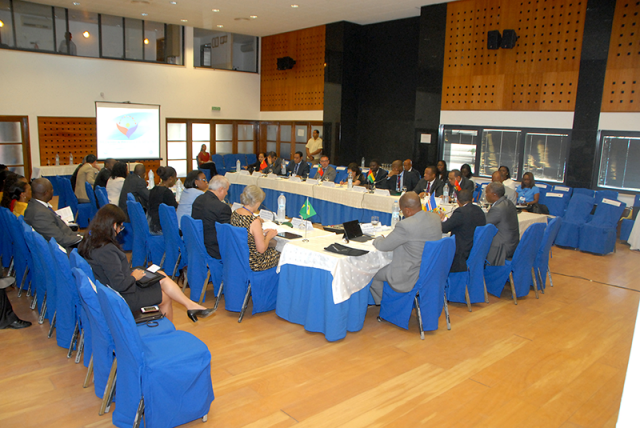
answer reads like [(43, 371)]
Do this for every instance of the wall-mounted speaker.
[(286, 63), (509, 39), (493, 39)]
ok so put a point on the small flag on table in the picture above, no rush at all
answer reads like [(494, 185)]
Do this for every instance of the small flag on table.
[(458, 188), (307, 210), (370, 178), (430, 204), (263, 165)]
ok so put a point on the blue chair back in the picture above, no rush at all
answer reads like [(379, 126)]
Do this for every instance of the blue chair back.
[(219, 161), (174, 246), (92, 199), (251, 158), (608, 194), (342, 175), (69, 195), (541, 262), (62, 194), (43, 254), (207, 173), (242, 158), (608, 213), (583, 191), (198, 259), (524, 256), (68, 303), (396, 308), (6, 242), (313, 172), (38, 272), (131, 198), (102, 196), (229, 162), (563, 189), (544, 188), (556, 202), (22, 256), (77, 261), (579, 208), (146, 248)]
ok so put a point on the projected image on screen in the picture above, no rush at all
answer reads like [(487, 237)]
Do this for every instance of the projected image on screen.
[(128, 131)]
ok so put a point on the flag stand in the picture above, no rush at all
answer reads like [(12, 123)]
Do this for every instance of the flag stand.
[(305, 231)]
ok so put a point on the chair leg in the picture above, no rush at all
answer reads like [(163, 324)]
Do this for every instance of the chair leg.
[(43, 313), (34, 302), (80, 347), (204, 418), (486, 295), (164, 256), (204, 287), (513, 289), (53, 325), (11, 271), (466, 296), (175, 268), (215, 307), (24, 278), (74, 336), (550, 280), (139, 414), (535, 283), (245, 303), (185, 281), (109, 388), (540, 281), (446, 312), (87, 378), (29, 290), (416, 302)]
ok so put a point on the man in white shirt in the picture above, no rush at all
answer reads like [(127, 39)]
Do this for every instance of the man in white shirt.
[(314, 148), (67, 46)]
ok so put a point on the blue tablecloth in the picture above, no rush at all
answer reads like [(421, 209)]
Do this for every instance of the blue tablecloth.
[(305, 297)]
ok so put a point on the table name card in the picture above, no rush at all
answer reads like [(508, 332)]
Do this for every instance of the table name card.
[(358, 189), (295, 179), (554, 195), (312, 181), (244, 172), (266, 215), (542, 186), (272, 175), (235, 206), (300, 224), (382, 192), (328, 184), (611, 202), (561, 188), (256, 173)]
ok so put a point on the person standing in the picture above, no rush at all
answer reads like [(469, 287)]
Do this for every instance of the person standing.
[(86, 174), (314, 148), (67, 46)]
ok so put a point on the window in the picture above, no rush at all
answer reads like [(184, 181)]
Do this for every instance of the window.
[(286, 138), (499, 147), (619, 160), (6, 29), (33, 26), (133, 38), (177, 147), (226, 51), (460, 148), (14, 144), (83, 27), (545, 155), (200, 134), (112, 36)]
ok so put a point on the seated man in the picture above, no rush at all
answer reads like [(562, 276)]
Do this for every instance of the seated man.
[(508, 191), (376, 173), (298, 167), (137, 186), (325, 172), (210, 208), (462, 225), (274, 164), (430, 183), (407, 242), (104, 174), (398, 179), (455, 176), (44, 220), (86, 174), (409, 169), (504, 216)]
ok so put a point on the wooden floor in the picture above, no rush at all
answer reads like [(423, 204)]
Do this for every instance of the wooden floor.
[(559, 361)]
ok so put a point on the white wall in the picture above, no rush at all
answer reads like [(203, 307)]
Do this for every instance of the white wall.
[(524, 119), (619, 122)]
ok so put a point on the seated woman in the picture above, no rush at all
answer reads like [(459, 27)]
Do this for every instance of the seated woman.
[(11, 178), (161, 194), (259, 165), (443, 173), (356, 175), (195, 185), (528, 193), (261, 257), (205, 162), (110, 266), (116, 181), (20, 197)]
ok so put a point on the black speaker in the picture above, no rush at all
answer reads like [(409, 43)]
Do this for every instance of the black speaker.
[(493, 39), (286, 63), (509, 39)]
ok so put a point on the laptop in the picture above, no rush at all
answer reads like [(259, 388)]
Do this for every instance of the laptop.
[(354, 232)]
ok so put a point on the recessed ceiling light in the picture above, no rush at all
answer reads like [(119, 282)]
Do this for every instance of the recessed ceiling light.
[(146, 41), (219, 26), (86, 35), (173, 2), (183, 20), (75, 3), (144, 14), (253, 16), (294, 6), (1, 24), (215, 10)]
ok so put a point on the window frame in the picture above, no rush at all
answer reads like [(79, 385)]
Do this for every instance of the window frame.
[(602, 134)]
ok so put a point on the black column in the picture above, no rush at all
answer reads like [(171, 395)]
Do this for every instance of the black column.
[(581, 167)]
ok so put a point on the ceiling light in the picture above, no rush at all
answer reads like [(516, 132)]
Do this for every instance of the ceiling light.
[(144, 14), (219, 25), (75, 3), (146, 41), (215, 10), (183, 20), (173, 2), (294, 6), (253, 16), (86, 34), (1, 24)]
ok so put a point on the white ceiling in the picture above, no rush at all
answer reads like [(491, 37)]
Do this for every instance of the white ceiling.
[(273, 16)]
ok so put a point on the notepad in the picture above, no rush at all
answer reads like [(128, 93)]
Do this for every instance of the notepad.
[(65, 214)]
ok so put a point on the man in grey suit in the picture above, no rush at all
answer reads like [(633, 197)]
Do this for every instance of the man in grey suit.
[(44, 220), (407, 242), (325, 172), (504, 216), (137, 186), (465, 184)]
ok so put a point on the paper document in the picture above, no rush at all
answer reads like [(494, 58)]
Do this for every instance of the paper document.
[(65, 214), (235, 206), (153, 268), (267, 216), (271, 225)]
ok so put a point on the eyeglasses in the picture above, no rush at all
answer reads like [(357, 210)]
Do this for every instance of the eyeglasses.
[(121, 227)]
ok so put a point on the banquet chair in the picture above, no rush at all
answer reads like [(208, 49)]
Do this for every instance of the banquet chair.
[(217, 159), (102, 196), (125, 237), (202, 267), (605, 194), (583, 191), (22, 261), (251, 158), (240, 282), (313, 171), (469, 287), (599, 235), (627, 224), (242, 158), (6, 243), (207, 173), (563, 189), (577, 213), (428, 295), (519, 270), (175, 251), (67, 301), (342, 175), (82, 338), (42, 281), (62, 196), (556, 202), (147, 248), (92, 200), (229, 162), (165, 378), (541, 262), (81, 212), (544, 188)]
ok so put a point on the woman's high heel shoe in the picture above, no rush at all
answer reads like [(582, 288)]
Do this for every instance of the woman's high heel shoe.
[(194, 314)]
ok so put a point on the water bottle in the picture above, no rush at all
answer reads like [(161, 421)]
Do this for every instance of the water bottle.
[(238, 165), (395, 214), (350, 182), (445, 193), (179, 189), (57, 159), (48, 163), (152, 182), (70, 158), (362, 162), (282, 207), (283, 169)]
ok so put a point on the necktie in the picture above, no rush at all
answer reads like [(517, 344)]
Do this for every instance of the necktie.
[(399, 182), (296, 170), (428, 186)]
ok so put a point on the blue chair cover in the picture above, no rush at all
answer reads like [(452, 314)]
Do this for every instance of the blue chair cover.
[(541, 262), (56, 182), (22, 255), (229, 162), (242, 158), (473, 278), (92, 200), (146, 247), (599, 235), (102, 196), (81, 212), (544, 188), (251, 158), (583, 191), (609, 194), (77, 261), (563, 189), (6, 242), (556, 202), (237, 275), (198, 259), (172, 241), (313, 171), (43, 255), (396, 308), (577, 212), (627, 224), (67, 302), (342, 175), (520, 265), (217, 159), (131, 198), (172, 371), (207, 173)]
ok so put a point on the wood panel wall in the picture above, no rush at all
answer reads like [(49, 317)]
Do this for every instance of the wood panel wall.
[(539, 73), (302, 87), (622, 81)]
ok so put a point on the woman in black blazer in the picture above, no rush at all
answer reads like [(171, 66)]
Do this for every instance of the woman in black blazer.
[(110, 266)]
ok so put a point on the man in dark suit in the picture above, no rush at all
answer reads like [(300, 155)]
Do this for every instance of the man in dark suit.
[(462, 225), (379, 174), (398, 179), (298, 167), (430, 183), (210, 208), (504, 216), (104, 174), (409, 169), (137, 186), (465, 184), (325, 171), (274, 164), (40, 215)]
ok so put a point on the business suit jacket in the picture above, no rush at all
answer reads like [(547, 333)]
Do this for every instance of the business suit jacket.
[(210, 209), (49, 225), (462, 225), (102, 178), (436, 187), (380, 175), (407, 242), (409, 181), (275, 168), (504, 216), (465, 184), (138, 188), (303, 169), (86, 174), (329, 174)]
